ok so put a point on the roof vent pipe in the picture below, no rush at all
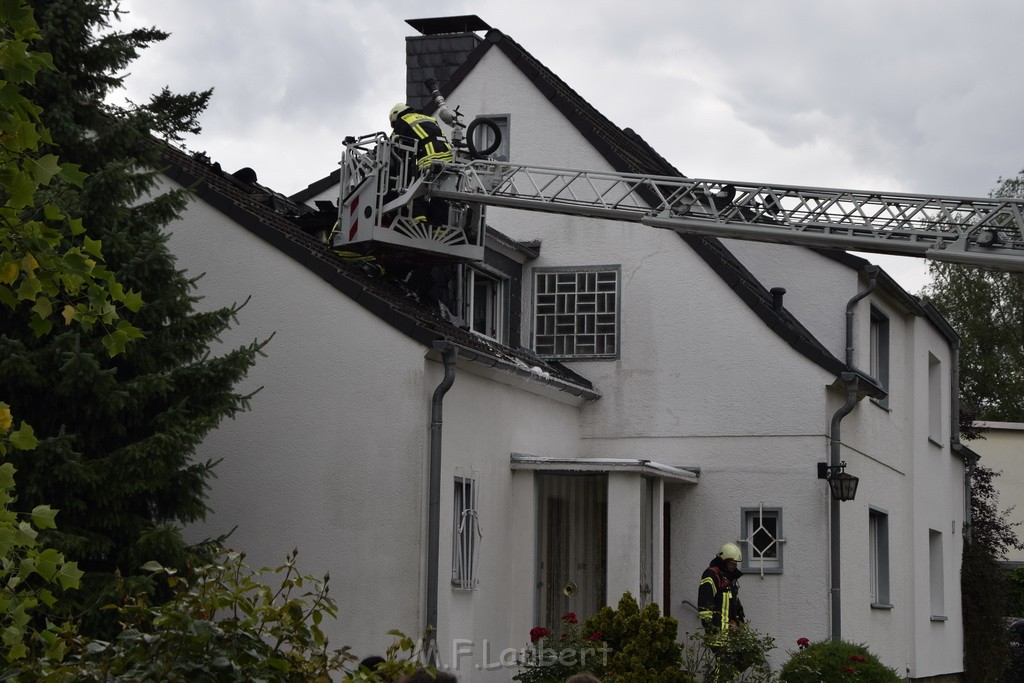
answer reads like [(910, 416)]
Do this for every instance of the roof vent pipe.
[(777, 294)]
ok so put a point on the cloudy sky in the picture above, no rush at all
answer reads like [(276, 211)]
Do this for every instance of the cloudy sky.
[(900, 95)]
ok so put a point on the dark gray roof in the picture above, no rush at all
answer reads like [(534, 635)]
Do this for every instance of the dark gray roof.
[(286, 225)]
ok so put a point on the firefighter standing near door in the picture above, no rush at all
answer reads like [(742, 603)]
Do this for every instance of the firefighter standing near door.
[(718, 602)]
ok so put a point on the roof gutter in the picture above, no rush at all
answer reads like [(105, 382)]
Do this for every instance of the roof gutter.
[(492, 361)]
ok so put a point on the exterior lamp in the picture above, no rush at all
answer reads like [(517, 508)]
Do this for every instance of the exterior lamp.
[(842, 485)]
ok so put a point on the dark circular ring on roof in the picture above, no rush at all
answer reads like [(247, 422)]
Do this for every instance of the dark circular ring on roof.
[(471, 129)]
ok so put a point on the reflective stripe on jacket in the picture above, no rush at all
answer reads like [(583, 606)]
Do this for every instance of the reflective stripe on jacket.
[(432, 143)]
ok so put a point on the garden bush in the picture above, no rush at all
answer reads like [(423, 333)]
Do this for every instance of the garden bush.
[(551, 660), (642, 642), (835, 661), (741, 658)]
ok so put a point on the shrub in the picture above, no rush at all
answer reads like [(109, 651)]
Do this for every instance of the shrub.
[(742, 657), (225, 622), (578, 649), (835, 661), (642, 641)]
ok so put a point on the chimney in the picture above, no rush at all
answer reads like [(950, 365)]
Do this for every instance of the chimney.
[(440, 49)]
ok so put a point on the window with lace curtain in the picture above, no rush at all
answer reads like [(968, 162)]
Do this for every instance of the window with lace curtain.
[(466, 535)]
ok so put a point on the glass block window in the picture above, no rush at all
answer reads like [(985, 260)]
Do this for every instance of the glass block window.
[(576, 312), (762, 540)]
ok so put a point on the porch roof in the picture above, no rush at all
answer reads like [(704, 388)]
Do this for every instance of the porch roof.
[(687, 475)]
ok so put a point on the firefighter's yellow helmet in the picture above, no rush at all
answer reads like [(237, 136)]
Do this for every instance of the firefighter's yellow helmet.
[(396, 110), (731, 551)]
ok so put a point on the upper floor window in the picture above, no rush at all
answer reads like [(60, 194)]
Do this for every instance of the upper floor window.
[(484, 303), (934, 399), (483, 137), (576, 312), (879, 350)]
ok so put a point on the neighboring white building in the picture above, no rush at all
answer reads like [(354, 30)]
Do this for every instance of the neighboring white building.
[(696, 414), (1002, 450)]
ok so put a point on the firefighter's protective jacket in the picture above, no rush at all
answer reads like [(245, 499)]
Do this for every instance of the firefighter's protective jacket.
[(718, 602), (432, 145)]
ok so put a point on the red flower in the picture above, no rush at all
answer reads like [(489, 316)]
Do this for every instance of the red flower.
[(596, 635), (569, 617), (538, 632), (849, 670), (857, 658), (803, 642)]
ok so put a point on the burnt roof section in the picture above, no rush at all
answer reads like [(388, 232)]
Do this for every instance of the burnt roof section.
[(278, 221)]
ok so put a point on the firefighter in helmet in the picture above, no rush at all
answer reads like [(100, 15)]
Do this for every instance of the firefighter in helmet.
[(432, 150), (718, 602), (431, 143)]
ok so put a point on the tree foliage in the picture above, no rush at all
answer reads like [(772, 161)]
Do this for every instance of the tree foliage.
[(986, 308), (985, 587), (116, 433)]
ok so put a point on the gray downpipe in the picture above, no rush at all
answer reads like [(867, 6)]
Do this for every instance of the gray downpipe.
[(954, 428), (448, 355), (872, 273), (835, 444), (834, 459)]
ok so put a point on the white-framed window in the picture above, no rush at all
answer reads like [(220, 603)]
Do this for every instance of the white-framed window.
[(576, 312), (484, 301), (878, 557), (483, 136), (934, 399), (879, 349), (466, 535), (762, 540), (936, 575)]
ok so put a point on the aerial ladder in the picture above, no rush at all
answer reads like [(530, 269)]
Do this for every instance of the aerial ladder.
[(379, 180)]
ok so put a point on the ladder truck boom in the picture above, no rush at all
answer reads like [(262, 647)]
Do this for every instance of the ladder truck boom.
[(379, 180)]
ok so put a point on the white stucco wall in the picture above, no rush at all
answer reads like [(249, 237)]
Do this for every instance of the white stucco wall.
[(701, 381), (332, 458), (300, 468)]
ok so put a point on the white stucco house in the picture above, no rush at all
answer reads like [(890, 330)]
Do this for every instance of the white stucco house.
[(603, 407)]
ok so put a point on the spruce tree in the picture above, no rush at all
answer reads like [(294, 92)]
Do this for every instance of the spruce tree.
[(117, 433)]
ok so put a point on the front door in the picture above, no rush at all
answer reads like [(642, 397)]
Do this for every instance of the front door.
[(573, 531)]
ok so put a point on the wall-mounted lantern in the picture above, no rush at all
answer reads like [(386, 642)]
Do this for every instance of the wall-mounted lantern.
[(842, 485)]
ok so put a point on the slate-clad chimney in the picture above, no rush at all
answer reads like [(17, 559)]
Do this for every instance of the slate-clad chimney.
[(441, 48)]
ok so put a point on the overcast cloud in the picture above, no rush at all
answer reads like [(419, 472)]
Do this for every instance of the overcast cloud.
[(900, 95)]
